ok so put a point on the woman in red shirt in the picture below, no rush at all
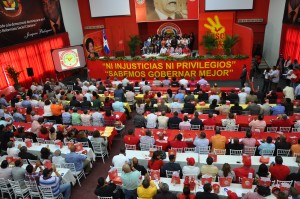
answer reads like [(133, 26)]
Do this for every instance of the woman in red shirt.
[(44, 133), (155, 163)]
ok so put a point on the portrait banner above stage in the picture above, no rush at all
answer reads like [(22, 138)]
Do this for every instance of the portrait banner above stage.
[(93, 44), (26, 20), (165, 10), (211, 69)]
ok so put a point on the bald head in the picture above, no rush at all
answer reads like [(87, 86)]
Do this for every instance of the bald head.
[(72, 148), (126, 168)]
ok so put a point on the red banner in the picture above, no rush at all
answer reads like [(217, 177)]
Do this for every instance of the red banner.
[(211, 69), (162, 10)]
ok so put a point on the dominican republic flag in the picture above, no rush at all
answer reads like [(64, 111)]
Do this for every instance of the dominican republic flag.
[(105, 43)]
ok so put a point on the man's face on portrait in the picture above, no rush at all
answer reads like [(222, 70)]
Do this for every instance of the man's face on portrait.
[(167, 7), (51, 9)]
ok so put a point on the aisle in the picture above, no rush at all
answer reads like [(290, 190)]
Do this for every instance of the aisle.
[(99, 169)]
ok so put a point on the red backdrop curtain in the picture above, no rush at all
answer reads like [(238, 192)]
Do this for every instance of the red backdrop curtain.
[(290, 41), (36, 54)]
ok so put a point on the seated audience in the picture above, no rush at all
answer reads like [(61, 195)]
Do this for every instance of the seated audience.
[(278, 109), (80, 161), (185, 124), (86, 118), (259, 194), (109, 119), (55, 181), (170, 166), (210, 121), (98, 138), (294, 176), (139, 120), (281, 143), (278, 170), (265, 109), (214, 97), (147, 139), (140, 107), (121, 159), (81, 137), (18, 173), (295, 148), (224, 109), (26, 155), (178, 143), (147, 189), (188, 107), (162, 106), (162, 121), (263, 172), (180, 96), (218, 141), (57, 158), (206, 194), (243, 171), (201, 142), (208, 168), (227, 172), (175, 106), (12, 150), (233, 97), (161, 141), (44, 133), (196, 120), (131, 181), (186, 193), (174, 121), (234, 145), (76, 118), (130, 138), (163, 192), (70, 136), (31, 173), (190, 169), (248, 141), (45, 154), (259, 124), (242, 96), (268, 145), (5, 171), (151, 120), (236, 109), (104, 189), (155, 163), (138, 167), (230, 122), (251, 97), (253, 108)]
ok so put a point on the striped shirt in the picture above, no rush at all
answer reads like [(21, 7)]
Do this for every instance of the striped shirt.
[(53, 182), (131, 180)]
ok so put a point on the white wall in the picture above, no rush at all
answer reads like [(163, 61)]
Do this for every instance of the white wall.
[(273, 31), (72, 21)]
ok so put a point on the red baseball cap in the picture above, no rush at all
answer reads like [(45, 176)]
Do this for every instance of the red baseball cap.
[(232, 195), (190, 161)]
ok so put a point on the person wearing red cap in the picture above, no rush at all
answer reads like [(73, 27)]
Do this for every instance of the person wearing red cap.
[(232, 195), (242, 172), (190, 169)]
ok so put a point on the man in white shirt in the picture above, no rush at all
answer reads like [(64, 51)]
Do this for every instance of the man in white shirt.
[(163, 121), (247, 89), (275, 75), (88, 96), (190, 169), (202, 81), (163, 50), (214, 96), (289, 92), (34, 102), (130, 96), (85, 87), (57, 158), (125, 81), (116, 82), (12, 150), (33, 87), (121, 159), (183, 82), (151, 120), (142, 83), (242, 97), (146, 87), (92, 87)]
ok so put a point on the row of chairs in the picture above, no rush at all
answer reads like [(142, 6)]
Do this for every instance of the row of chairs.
[(206, 150)]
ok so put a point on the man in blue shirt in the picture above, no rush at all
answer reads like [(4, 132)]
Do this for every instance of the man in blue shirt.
[(180, 96), (80, 161), (66, 117), (3, 100), (118, 106), (268, 145), (26, 103), (278, 109), (18, 117)]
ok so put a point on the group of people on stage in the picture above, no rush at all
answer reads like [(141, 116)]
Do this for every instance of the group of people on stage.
[(162, 44)]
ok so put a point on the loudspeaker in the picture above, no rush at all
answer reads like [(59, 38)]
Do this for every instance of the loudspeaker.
[(30, 72)]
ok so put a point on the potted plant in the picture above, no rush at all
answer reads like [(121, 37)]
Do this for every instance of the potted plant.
[(209, 42), (228, 43), (14, 75), (133, 43)]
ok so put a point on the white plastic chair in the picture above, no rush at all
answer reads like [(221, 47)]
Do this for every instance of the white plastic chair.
[(207, 127), (18, 191), (84, 144), (267, 152), (77, 174), (130, 147), (236, 152), (145, 147), (250, 150), (104, 197), (5, 188), (295, 130), (48, 193), (99, 150), (285, 129), (40, 140), (49, 142), (159, 148), (283, 152), (33, 189), (195, 127), (179, 150), (189, 149), (221, 128), (170, 173), (220, 151), (271, 129), (204, 150)]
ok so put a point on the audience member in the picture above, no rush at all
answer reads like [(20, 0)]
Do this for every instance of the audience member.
[(278, 170), (259, 124), (253, 108), (227, 172), (104, 189), (243, 171), (26, 155), (171, 166), (31, 173), (262, 171), (151, 120), (162, 121), (196, 120), (130, 138), (147, 189), (186, 194), (190, 169), (281, 121), (161, 141), (208, 168), (218, 141), (155, 163), (18, 173), (268, 145), (80, 161), (163, 192), (201, 142), (206, 194), (251, 97), (278, 109), (295, 148), (57, 158), (121, 159), (281, 143), (98, 138), (147, 139), (259, 194), (248, 141), (5, 171), (210, 121), (174, 121), (178, 143), (234, 145), (138, 167), (185, 124)]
